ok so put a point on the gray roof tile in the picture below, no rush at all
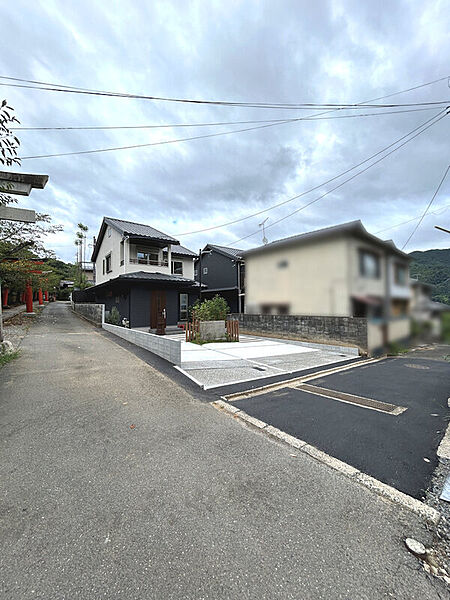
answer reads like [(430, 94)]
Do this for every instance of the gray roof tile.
[(142, 275), (231, 252), (183, 251), (128, 227)]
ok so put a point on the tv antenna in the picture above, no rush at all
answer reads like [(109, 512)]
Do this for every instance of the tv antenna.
[(264, 240)]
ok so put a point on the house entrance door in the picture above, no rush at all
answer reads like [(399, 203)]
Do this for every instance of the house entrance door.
[(157, 306)]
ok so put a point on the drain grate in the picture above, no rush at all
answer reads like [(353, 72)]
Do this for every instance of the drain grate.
[(385, 407), (258, 368)]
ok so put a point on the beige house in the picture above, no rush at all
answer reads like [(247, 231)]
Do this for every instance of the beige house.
[(424, 310), (338, 271)]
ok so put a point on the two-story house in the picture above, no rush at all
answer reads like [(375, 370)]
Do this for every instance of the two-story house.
[(337, 271), (222, 270), (143, 272)]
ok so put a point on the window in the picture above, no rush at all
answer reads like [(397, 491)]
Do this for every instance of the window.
[(369, 264), (205, 270), (108, 263), (195, 273), (399, 274), (147, 257), (275, 309), (103, 263), (183, 307), (177, 267)]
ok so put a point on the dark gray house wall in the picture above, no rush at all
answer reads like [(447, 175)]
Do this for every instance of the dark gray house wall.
[(222, 278), (222, 271), (134, 304)]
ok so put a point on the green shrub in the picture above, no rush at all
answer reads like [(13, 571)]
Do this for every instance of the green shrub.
[(215, 309), (114, 316), (8, 357)]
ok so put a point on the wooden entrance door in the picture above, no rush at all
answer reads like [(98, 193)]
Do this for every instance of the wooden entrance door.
[(157, 306)]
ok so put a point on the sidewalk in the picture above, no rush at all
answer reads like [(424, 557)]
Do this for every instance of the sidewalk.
[(8, 313), (118, 483)]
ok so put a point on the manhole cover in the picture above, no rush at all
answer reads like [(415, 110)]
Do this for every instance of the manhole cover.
[(416, 366)]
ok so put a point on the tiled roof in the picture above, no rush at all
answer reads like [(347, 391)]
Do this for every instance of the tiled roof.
[(352, 227), (231, 252), (130, 228), (182, 251), (157, 277)]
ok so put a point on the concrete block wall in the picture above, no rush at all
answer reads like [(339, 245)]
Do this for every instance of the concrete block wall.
[(212, 330), (348, 330), (160, 345), (95, 313)]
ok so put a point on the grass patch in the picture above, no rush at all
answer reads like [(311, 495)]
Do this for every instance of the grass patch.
[(201, 342), (8, 357), (395, 349)]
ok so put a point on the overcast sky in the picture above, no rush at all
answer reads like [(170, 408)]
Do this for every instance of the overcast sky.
[(273, 51)]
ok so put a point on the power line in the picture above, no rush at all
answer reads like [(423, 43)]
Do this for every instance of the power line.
[(233, 222), (214, 124), (436, 212), (46, 86), (161, 143), (439, 118), (428, 206)]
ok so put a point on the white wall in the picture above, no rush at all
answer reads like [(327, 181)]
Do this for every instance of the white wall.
[(314, 282), (111, 243)]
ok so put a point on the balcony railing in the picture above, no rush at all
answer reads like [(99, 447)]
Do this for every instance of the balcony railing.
[(149, 261)]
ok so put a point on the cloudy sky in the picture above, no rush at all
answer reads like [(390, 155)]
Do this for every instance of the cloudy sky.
[(245, 51)]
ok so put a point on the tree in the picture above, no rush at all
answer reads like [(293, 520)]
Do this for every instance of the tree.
[(9, 145), (19, 242), (16, 236), (80, 243)]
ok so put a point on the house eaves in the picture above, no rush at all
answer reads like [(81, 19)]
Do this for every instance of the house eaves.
[(352, 228), (233, 253), (136, 231)]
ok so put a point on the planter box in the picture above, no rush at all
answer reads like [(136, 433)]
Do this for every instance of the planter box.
[(212, 330)]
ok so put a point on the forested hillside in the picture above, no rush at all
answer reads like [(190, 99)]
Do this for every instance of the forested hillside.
[(433, 266)]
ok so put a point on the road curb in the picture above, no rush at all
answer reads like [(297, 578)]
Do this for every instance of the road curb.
[(387, 492)]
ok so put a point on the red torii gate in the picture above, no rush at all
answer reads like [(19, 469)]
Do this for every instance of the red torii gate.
[(20, 184)]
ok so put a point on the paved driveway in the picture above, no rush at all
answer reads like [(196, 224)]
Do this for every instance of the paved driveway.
[(340, 417), (219, 364), (119, 484)]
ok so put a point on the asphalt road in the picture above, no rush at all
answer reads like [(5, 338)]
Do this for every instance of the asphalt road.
[(117, 483), (398, 450)]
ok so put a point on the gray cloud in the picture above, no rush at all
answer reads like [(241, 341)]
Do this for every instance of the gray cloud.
[(287, 51)]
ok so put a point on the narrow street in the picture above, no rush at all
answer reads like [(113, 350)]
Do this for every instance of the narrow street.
[(119, 484)]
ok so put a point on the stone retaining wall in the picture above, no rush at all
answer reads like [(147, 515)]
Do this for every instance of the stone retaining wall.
[(351, 331), (95, 313)]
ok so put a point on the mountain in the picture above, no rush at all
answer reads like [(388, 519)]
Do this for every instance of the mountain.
[(433, 266)]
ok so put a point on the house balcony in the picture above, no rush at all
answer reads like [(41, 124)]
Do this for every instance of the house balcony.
[(146, 261)]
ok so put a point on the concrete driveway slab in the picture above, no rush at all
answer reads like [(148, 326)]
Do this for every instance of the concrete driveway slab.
[(218, 364)]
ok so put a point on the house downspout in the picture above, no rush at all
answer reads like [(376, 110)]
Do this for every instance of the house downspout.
[(387, 297), (129, 307), (238, 265)]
